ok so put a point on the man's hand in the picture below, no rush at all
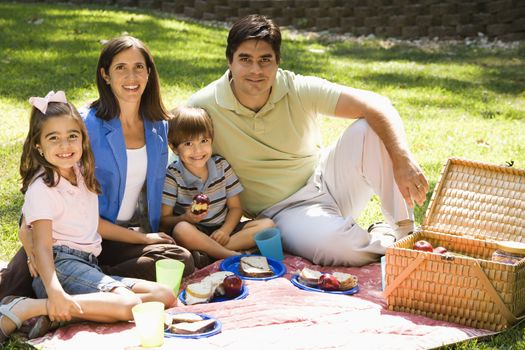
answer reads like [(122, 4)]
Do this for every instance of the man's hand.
[(411, 182), (159, 237), (220, 237)]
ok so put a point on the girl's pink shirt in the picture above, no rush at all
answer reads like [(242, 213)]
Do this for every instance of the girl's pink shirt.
[(73, 211)]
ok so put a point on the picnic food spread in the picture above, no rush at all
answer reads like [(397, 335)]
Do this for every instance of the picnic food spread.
[(509, 252), (209, 287), (327, 281), (188, 323), (255, 266), (200, 204)]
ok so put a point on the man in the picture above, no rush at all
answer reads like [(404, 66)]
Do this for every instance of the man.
[(266, 127)]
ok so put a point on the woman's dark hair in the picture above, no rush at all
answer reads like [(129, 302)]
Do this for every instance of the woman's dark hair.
[(32, 162), (188, 123), (256, 27), (107, 107)]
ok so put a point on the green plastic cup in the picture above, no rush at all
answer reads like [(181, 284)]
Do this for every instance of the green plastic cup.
[(149, 323), (169, 272)]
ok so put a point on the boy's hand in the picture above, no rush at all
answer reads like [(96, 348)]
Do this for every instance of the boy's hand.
[(159, 237), (194, 218), (60, 307), (220, 237)]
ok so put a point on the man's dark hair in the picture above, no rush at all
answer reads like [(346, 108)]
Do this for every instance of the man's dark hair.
[(256, 27)]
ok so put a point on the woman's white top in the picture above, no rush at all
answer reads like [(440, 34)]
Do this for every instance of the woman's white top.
[(135, 177)]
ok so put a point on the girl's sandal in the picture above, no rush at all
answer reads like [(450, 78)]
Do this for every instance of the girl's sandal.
[(42, 325), (6, 306)]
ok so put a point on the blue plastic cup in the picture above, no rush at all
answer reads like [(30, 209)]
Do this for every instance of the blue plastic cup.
[(269, 243)]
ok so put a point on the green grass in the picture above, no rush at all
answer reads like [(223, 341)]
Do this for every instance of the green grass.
[(455, 101)]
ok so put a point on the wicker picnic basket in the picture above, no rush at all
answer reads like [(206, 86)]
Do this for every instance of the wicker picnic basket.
[(473, 206)]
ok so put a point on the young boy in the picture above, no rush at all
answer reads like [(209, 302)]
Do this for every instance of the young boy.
[(218, 231)]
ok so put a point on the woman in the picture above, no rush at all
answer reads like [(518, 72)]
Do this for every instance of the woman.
[(128, 135)]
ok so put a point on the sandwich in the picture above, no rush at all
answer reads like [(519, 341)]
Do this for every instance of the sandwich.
[(205, 290), (200, 292), (309, 277), (188, 317), (216, 279), (192, 327), (255, 266), (346, 280)]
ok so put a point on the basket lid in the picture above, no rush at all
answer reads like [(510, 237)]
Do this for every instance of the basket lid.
[(512, 247), (480, 200)]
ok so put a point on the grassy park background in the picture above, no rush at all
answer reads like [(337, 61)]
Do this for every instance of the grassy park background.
[(455, 99)]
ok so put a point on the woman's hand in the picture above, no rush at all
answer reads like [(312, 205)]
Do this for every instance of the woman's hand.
[(220, 237), (25, 234), (61, 307), (158, 237)]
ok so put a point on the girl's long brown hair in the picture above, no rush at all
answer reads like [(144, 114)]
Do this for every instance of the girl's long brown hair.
[(32, 163)]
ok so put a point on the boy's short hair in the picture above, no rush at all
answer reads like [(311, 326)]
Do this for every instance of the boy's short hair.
[(188, 123)]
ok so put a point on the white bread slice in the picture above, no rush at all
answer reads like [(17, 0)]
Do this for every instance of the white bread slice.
[(216, 279), (200, 292), (255, 266), (346, 280), (203, 291), (188, 317), (309, 277), (192, 327)]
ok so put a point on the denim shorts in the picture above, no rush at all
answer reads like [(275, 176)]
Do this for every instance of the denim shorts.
[(79, 273)]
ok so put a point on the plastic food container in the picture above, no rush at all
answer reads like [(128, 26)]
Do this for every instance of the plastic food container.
[(509, 252)]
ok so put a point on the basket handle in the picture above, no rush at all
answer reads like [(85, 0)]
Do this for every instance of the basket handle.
[(489, 288), (406, 272)]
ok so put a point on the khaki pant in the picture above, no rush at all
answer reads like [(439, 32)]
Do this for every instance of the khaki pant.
[(317, 222)]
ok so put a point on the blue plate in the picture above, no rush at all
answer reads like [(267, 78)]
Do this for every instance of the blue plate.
[(216, 329), (233, 262), (295, 281), (244, 294)]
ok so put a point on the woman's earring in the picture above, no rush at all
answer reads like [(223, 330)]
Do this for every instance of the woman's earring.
[(41, 154)]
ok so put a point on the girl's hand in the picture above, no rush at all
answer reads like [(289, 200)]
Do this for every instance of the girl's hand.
[(193, 218), (159, 237), (61, 306), (220, 237), (25, 234)]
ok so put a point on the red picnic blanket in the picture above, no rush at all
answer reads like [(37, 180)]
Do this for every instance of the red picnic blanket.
[(278, 315)]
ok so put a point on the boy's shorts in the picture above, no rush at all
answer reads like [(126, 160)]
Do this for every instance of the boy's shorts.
[(79, 273), (210, 229)]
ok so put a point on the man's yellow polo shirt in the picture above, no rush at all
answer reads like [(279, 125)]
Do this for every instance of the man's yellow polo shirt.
[(275, 150)]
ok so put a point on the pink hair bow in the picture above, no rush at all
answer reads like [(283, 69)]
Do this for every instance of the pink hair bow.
[(41, 103)]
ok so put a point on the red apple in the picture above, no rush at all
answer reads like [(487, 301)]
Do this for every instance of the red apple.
[(329, 282), (232, 286), (200, 204), (440, 250), (423, 246)]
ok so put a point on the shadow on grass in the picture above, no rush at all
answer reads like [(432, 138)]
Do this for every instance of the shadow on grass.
[(500, 67), (62, 52)]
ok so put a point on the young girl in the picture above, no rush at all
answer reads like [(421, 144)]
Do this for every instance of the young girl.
[(61, 205), (217, 232)]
